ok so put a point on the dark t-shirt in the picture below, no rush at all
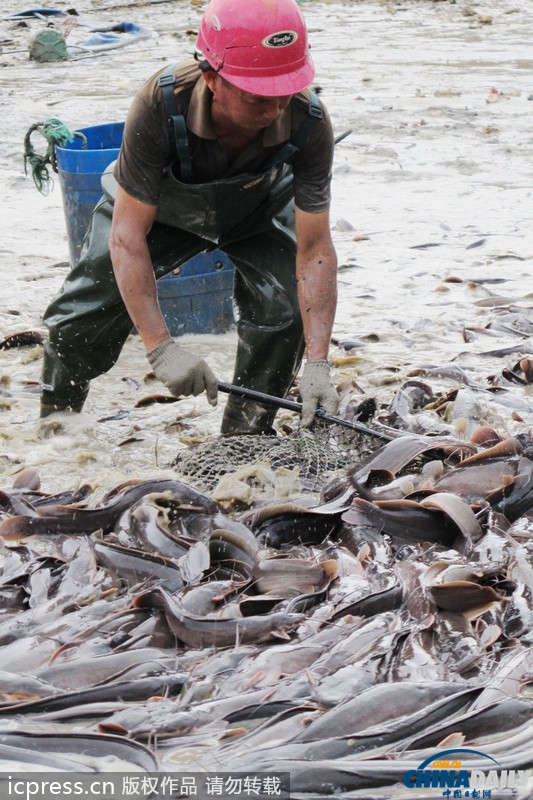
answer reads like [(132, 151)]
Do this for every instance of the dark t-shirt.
[(146, 149)]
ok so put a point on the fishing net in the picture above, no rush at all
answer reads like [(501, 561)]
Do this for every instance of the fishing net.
[(54, 133), (314, 455), (48, 45)]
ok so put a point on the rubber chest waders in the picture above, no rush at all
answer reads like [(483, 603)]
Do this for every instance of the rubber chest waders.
[(250, 217)]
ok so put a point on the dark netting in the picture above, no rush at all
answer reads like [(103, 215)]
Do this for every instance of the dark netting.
[(316, 454)]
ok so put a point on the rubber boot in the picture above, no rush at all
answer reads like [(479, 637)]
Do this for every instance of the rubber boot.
[(59, 392), (245, 416), (270, 330), (46, 409)]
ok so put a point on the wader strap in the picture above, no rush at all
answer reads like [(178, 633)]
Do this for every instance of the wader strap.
[(314, 113), (177, 129), (289, 150)]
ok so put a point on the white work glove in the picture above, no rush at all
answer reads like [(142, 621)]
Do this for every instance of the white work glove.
[(317, 391), (182, 372)]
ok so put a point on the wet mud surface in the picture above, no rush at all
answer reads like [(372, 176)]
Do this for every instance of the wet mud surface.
[(428, 596)]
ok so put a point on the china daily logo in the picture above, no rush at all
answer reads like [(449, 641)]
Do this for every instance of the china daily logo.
[(445, 772)]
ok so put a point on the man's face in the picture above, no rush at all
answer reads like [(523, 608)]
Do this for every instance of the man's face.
[(251, 112)]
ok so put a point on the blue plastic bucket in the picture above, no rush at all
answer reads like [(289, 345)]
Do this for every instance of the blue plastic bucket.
[(80, 166), (197, 300)]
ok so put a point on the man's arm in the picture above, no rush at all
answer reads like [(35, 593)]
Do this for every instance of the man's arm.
[(133, 269), (316, 273), (180, 370)]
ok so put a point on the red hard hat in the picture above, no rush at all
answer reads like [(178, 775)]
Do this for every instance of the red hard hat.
[(257, 45)]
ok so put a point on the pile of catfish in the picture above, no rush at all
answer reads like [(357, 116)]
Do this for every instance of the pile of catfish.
[(344, 641)]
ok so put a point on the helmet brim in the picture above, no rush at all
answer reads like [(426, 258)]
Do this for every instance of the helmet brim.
[(281, 85)]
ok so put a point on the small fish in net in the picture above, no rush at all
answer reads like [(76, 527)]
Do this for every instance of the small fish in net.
[(316, 454)]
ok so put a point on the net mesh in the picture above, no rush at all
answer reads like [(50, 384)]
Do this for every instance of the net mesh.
[(54, 133), (316, 455)]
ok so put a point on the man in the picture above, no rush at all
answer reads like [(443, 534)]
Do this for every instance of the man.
[(227, 151)]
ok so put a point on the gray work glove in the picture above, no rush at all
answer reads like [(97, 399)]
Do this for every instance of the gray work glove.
[(182, 372), (317, 391)]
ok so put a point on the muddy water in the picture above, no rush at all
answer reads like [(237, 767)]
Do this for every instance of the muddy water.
[(431, 213)]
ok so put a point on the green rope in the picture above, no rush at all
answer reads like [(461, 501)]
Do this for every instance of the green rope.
[(55, 133)]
